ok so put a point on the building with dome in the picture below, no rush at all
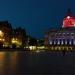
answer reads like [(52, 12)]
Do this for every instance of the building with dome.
[(62, 38)]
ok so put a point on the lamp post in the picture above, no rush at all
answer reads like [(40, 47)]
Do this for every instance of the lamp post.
[(37, 43), (27, 43)]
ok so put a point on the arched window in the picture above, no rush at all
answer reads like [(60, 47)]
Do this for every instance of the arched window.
[(58, 42), (70, 42), (74, 42), (50, 42)]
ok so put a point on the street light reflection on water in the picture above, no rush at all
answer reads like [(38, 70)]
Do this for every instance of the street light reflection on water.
[(17, 62), (36, 63), (8, 61)]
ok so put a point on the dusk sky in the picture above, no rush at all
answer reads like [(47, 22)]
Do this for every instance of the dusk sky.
[(36, 16)]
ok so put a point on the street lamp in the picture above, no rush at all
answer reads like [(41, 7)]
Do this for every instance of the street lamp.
[(1, 33)]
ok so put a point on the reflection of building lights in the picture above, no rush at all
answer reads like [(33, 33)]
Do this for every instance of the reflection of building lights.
[(2, 57), (37, 51)]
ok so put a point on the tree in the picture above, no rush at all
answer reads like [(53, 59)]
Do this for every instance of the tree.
[(33, 42)]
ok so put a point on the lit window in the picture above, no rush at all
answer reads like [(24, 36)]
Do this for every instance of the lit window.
[(74, 42), (62, 42), (66, 42), (67, 33), (50, 42), (70, 42), (16, 41), (54, 42), (63, 33), (58, 42), (72, 33)]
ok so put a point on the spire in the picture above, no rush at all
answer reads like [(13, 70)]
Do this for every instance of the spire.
[(69, 12), (69, 5)]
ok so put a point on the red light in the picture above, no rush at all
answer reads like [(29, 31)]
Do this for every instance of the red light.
[(69, 22)]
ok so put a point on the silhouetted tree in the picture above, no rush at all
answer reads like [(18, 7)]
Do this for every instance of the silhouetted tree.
[(33, 41), (41, 42)]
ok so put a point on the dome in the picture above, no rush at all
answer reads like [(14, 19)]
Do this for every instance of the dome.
[(69, 20)]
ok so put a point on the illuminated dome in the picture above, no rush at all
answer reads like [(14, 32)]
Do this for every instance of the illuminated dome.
[(69, 21)]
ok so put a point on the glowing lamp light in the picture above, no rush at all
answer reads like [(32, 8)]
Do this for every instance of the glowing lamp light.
[(16, 41), (1, 33), (68, 17)]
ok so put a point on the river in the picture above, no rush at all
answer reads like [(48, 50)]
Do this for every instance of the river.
[(37, 63)]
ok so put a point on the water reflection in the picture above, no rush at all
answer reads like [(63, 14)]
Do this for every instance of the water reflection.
[(8, 61), (2, 62), (32, 63)]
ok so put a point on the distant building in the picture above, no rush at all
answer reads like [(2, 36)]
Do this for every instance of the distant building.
[(19, 37), (9, 36), (5, 33), (62, 38)]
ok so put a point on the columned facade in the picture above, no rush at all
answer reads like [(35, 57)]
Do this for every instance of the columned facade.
[(62, 38)]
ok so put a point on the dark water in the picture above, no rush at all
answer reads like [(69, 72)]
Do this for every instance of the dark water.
[(32, 63)]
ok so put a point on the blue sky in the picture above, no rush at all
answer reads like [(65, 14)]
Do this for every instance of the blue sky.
[(36, 16)]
